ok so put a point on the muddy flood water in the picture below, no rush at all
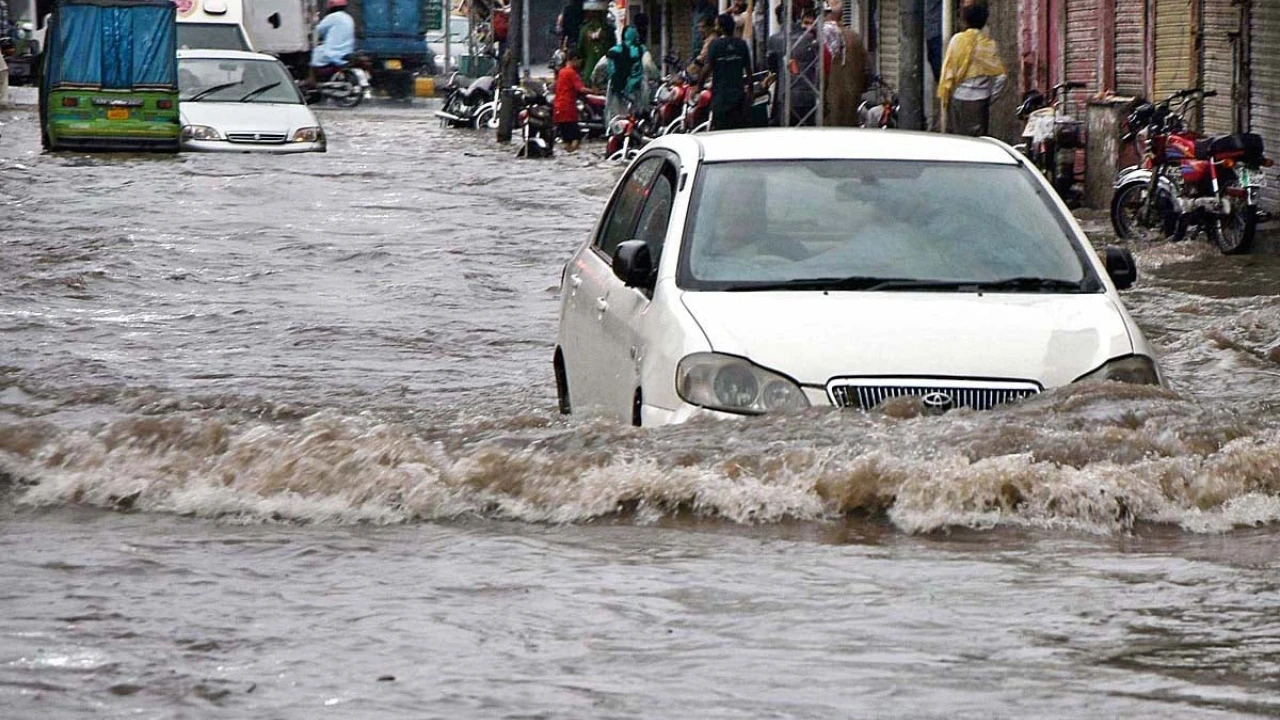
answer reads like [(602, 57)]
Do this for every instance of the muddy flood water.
[(278, 439)]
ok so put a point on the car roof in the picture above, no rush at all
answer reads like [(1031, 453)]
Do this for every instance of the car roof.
[(223, 55), (843, 144)]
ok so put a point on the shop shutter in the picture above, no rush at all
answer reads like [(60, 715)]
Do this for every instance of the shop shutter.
[(1264, 105), (890, 35), (1131, 48), (1173, 71), (1082, 51), (1221, 21)]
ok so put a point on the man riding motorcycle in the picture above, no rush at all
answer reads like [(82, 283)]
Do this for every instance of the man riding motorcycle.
[(336, 34)]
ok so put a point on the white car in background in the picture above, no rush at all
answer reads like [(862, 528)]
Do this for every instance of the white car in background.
[(233, 101), (753, 272)]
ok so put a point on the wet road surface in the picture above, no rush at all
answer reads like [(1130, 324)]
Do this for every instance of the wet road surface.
[(277, 439)]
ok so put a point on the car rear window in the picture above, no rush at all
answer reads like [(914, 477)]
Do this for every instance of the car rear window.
[(778, 221)]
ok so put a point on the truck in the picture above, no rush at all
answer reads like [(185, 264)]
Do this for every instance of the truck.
[(212, 25), (282, 28), (391, 38)]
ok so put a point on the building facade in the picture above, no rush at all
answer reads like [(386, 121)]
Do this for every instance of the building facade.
[(1150, 49)]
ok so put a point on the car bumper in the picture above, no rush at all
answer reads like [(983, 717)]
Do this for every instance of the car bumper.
[(230, 147)]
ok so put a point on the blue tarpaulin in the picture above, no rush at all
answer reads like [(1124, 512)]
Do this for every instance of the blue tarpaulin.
[(113, 46)]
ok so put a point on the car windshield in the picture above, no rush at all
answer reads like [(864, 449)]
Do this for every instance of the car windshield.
[(877, 225), (228, 80), (210, 36)]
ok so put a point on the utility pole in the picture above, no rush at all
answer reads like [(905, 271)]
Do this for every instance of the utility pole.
[(510, 70), (911, 66)]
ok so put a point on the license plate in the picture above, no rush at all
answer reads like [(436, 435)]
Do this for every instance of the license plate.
[(1252, 178), (118, 114), (392, 65)]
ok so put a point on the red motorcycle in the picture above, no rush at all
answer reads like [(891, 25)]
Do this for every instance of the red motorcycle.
[(627, 134), (1188, 181), (667, 113), (697, 109)]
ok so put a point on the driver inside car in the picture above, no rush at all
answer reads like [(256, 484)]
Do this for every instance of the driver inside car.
[(742, 235)]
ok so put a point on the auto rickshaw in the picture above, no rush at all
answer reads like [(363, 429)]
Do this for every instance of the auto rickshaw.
[(109, 79)]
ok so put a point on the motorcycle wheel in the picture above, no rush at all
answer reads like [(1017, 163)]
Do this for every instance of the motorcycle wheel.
[(1234, 234), (486, 119), (1126, 214), (354, 93)]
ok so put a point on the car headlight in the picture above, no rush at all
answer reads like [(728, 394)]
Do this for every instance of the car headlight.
[(308, 134), (732, 384), (200, 132), (1135, 369)]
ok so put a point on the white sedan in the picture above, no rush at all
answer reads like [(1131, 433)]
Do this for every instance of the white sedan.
[(232, 101), (754, 272)]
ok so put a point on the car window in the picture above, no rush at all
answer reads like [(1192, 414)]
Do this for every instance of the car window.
[(795, 221), (652, 226), (235, 80), (626, 202)]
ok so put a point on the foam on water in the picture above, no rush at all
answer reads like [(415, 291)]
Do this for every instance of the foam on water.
[(1094, 459)]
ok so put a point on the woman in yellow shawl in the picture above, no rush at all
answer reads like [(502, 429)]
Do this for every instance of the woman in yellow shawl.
[(972, 75)]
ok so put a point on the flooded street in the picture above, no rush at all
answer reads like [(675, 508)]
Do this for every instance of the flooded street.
[(278, 439)]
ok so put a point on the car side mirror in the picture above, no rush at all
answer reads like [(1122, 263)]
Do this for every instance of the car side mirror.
[(1121, 267), (633, 264)]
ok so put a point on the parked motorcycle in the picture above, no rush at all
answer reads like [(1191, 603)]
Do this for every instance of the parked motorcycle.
[(879, 108), (591, 110), (537, 133), (666, 114), (469, 106), (697, 109), (627, 134), (1187, 181), (1051, 137)]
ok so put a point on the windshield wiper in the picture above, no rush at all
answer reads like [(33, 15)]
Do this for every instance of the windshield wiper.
[(211, 90), (1041, 284), (856, 282), (257, 91), (1027, 284), (879, 284)]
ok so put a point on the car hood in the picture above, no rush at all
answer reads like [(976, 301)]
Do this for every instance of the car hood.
[(248, 117), (815, 336)]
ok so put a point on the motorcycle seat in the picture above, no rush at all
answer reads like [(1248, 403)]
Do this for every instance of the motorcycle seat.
[(1246, 147)]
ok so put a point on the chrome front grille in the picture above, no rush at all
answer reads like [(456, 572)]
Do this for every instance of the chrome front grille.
[(938, 394), (259, 138)]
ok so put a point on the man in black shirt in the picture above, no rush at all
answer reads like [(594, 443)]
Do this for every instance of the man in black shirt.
[(728, 64)]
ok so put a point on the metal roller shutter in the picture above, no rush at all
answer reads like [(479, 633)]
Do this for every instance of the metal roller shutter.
[(1264, 100), (1174, 41), (890, 35), (1082, 51), (1221, 21), (1131, 48)]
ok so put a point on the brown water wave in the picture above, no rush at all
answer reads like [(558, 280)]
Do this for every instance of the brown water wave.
[(1091, 458)]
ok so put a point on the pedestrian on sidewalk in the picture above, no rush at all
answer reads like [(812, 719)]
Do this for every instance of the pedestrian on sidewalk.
[(596, 37), (847, 73), (972, 75), (728, 66), (564, 113), (626, 73)]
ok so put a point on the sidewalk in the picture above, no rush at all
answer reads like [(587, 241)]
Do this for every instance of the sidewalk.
[(23, 96)]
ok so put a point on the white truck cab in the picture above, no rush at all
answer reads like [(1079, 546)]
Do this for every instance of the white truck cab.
[(212, 25)]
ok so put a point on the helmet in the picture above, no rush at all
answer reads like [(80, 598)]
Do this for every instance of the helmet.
[(336, 4)]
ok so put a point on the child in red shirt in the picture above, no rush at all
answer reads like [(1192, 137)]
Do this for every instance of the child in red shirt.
[(564, 113)]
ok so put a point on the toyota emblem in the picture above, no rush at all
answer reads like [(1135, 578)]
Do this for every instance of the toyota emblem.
[(937, 402)]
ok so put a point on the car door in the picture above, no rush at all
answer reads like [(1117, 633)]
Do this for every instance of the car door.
[(624, 315), (589, 283)]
